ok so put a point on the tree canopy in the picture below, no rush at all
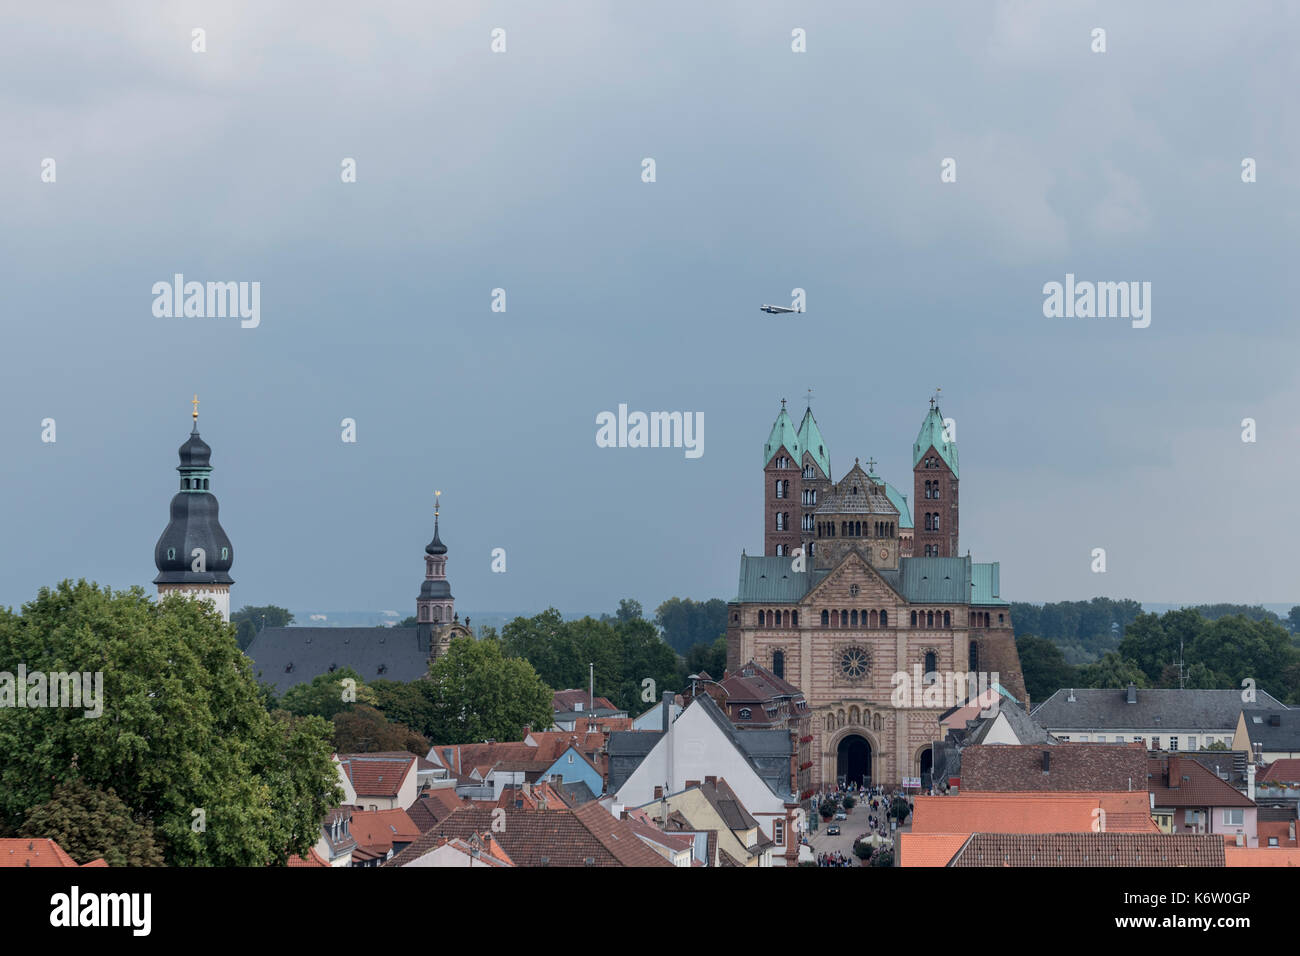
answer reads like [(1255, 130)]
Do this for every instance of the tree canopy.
[(184, 741)]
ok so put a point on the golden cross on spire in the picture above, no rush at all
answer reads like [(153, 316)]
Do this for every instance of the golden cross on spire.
[(195, 403), (436, 495)]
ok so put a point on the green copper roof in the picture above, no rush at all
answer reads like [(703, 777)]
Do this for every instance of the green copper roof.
[(811, 436), (899, 502), (931, 433), (918, 580), (782, 434), (987, 584), (770, 579)]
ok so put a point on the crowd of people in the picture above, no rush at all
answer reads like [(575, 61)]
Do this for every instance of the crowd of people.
[(875, 801)]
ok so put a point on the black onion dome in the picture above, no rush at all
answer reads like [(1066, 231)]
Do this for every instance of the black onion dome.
[(195, 453), (194, 524), (435, 546)]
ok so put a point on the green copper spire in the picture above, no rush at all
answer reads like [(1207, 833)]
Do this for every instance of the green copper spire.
[(782, 434), (811, 436), (931, 435)]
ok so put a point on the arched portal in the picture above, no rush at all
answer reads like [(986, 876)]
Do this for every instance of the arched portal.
[(927, 768), (853, 761)]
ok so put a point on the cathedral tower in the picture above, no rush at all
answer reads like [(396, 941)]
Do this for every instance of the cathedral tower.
[(194, 556), (934, 488), (782, 488), (435, 606)]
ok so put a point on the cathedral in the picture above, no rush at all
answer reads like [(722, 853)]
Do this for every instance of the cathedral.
[(194, 557), (850, 593)]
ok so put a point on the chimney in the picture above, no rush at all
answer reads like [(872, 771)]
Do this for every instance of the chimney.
[(1291, 832), (692, 783), (1174, 778), (711, 780), (1132, 693), (1250, 780), (528, 729), (659, 793), (668, 709)]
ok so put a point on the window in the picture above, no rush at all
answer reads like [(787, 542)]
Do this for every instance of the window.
[(931, 665), (936, 521), (884, 619), (826, 618), (1063, 738), (914, 619), (745, 713), (1272, 841), (171, 554), (794, 622), (778, 832), (947, 619), (1233, 818), (1173, 743), (778, 490), (225, 553), (974, 655), (778, 658), (570, 758)]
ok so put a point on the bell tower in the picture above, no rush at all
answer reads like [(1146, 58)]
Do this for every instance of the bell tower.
[(194, 555), (935, 481), (435, 607)]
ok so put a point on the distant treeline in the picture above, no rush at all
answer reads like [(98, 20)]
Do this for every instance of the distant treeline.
[(1211, 646)]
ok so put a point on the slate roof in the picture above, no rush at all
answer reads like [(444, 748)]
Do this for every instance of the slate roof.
[(561, 837), (1166, 709), (1228, 763), (1283, 737), (1026, 729), (767, 752), (1090, 767), (1091, 850), (287, 656)]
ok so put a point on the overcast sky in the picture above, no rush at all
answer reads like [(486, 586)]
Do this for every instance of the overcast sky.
[(522, 170)]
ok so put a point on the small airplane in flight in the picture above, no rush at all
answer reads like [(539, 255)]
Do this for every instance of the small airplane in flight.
[(776, 309)]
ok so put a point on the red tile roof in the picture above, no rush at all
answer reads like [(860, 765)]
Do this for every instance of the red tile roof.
[(1245, 856), (1276, 828), (1033, 812), (1070, 766), (1285, 770), (1107, 850), (378, 830), (554, 838), (567, 700), (1178, 782), (313, 859), (929, 849), (378, 774), (29, 851)]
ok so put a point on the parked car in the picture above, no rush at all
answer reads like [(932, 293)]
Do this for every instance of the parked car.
[(833, 830)]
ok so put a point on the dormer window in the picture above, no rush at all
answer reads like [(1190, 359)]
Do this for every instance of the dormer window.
[(745, 713)]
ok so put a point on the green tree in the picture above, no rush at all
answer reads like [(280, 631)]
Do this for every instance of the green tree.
[(1293, 619), (1044, 667), (93, 824), (182, 728), (362, 730), (480, 694), (411, 621), (629, 610), (1112, 671), (251, 618), (707, 658), (324, 694), (685, 622), (406, 703)]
